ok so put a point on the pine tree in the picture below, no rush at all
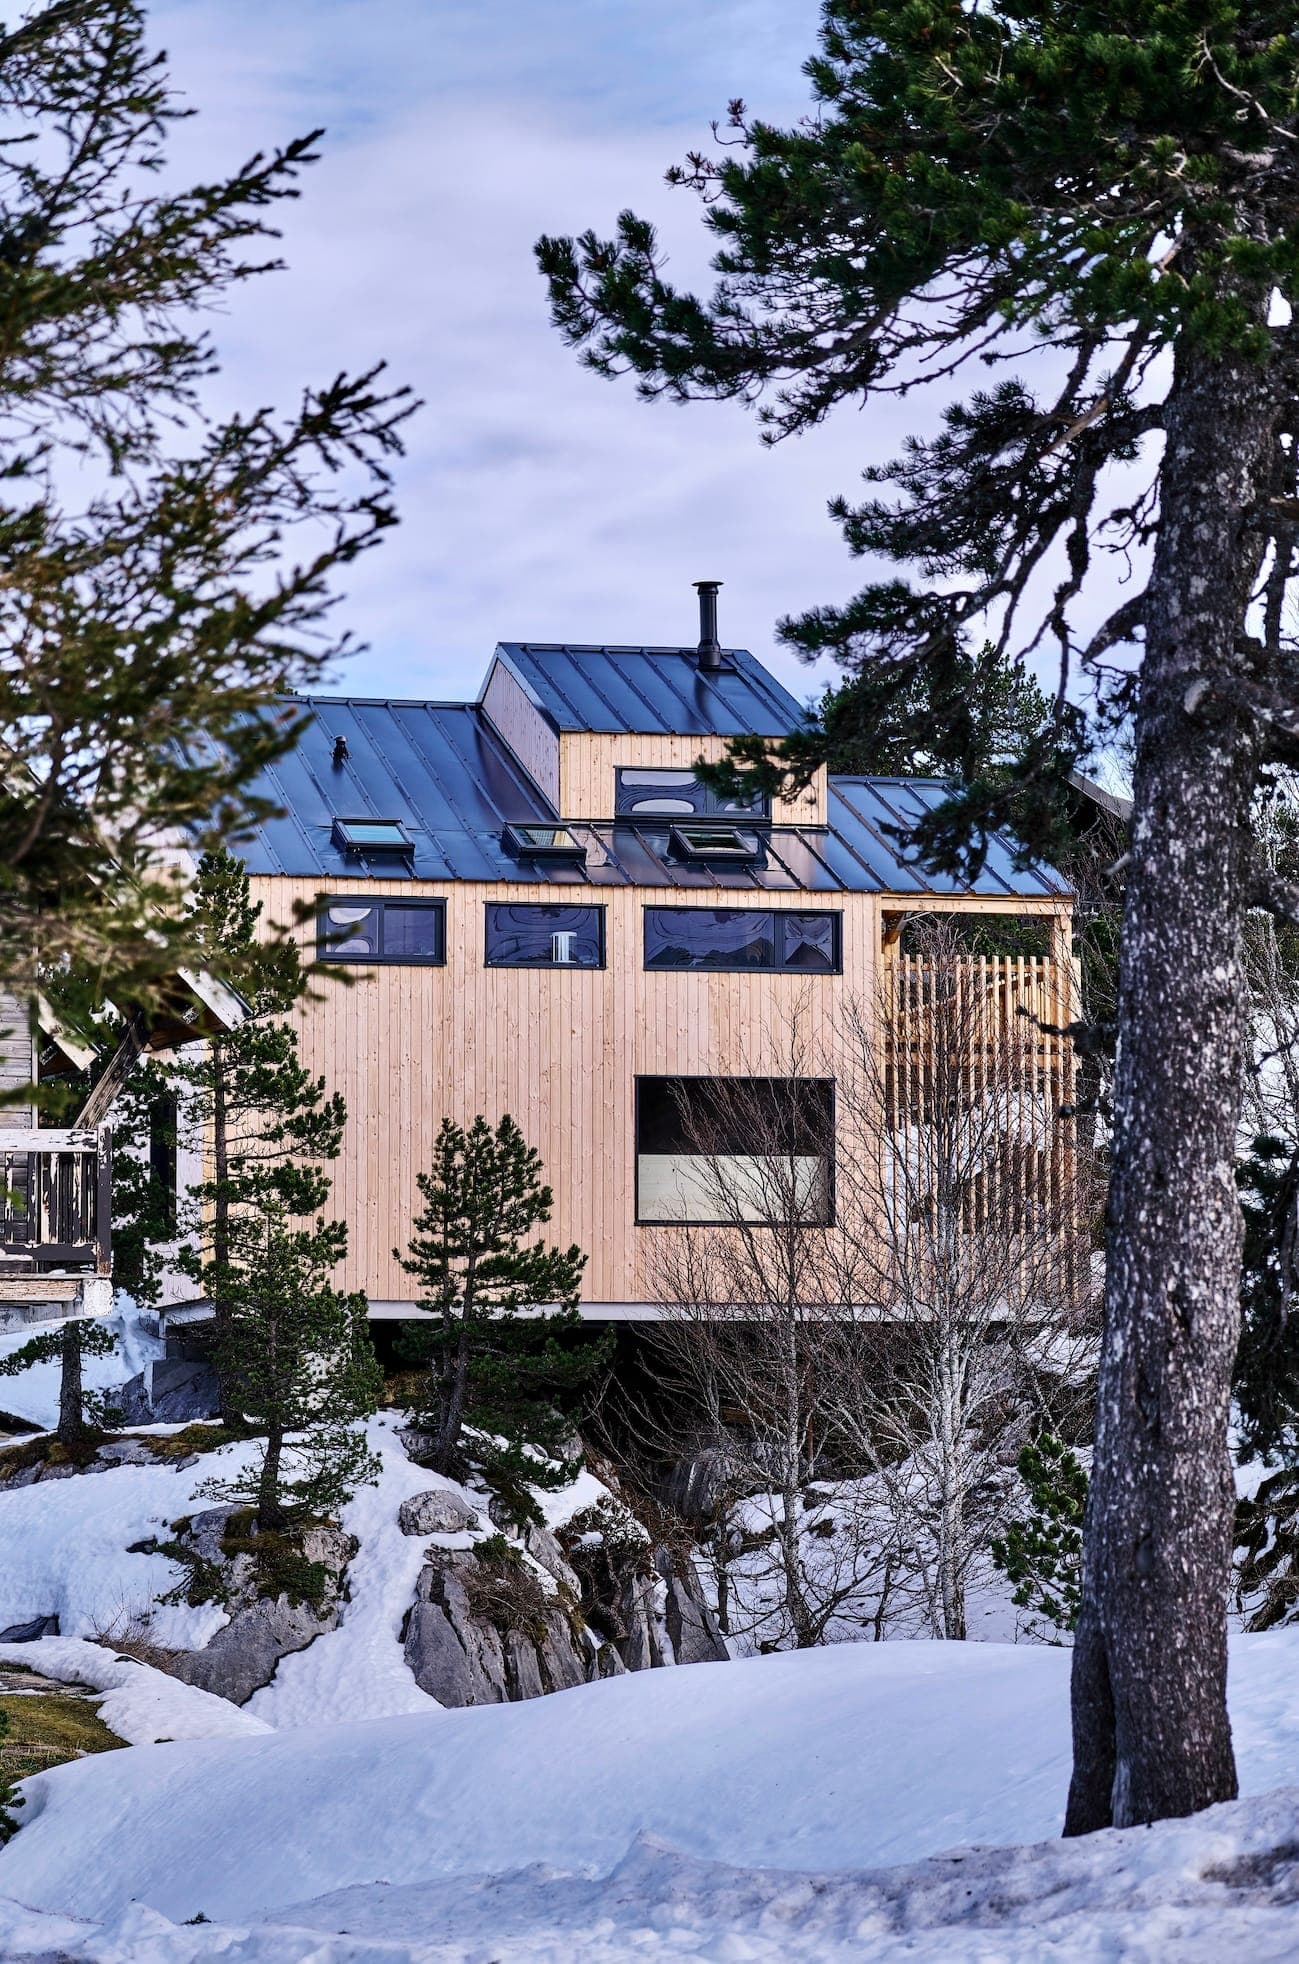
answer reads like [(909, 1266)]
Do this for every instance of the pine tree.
[(1041, 1554), (1267, 1363), (977, 717), (165, 575), (503, 1312), (297, 1354), (1099, 209), (268, 1126), (82, 1413)]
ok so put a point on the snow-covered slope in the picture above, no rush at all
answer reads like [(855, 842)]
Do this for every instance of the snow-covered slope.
[(140, 1704), (34, 1394), (825, 1763)]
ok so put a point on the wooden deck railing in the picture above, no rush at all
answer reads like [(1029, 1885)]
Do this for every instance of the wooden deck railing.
[(55, 1201), (980, 1086)]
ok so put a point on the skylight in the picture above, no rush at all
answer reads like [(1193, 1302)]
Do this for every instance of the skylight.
[(716, 843), (555, 842), (373, 835)]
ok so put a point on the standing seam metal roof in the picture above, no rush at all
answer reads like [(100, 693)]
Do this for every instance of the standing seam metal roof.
[(442, 769), (651, 691)]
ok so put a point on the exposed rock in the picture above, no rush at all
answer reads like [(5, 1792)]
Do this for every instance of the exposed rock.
[(637, 1636), (40, 1626), (461, 1657), (125, 1452), (696, 1485), (436, 1512), (693, 1629), (244, 1654), (169, 1391), (114, 1452), (540, 1543)]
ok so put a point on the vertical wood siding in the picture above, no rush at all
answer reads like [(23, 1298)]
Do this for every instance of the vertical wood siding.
[(559, 1049), (524, 729), (17, 1059), (587, 765)]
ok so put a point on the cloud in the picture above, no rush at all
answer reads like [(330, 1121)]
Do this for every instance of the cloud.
[(537, 501)]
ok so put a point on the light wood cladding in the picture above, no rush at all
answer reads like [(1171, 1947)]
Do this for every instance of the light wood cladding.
[(559, 1049), (587, 764), (516, 718)]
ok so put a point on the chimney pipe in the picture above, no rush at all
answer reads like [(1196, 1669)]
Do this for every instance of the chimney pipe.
[(710, 653)]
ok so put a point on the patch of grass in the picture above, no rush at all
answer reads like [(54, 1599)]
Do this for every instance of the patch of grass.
[(204, 1436), (280, 1566), (49, 1451), (45, 1731)]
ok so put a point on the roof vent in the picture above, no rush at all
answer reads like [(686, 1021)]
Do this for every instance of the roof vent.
[(710, 652)]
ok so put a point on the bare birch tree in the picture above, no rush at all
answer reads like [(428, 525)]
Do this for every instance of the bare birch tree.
[(884, 1293), (968, 1217)]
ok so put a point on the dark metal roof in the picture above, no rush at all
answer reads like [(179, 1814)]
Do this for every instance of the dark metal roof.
[(651, 691), (444, 772)]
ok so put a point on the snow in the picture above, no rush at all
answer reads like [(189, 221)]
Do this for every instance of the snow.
[(141, 1705), (34, 1393), (64, 1551), (788, 1807), (730, 1812), (358, 1670)]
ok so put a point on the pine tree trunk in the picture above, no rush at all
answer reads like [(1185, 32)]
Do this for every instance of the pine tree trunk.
[(454, 1390), (270, 1509), (1151, 1734), (72, 1420)]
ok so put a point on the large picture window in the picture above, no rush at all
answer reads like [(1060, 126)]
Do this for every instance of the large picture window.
[(674, 794), (534, 936), (728, 1150), (363, 929), (742, 937)]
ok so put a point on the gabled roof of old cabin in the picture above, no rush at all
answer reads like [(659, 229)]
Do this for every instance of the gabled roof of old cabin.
[(651, 691), (444, 772)]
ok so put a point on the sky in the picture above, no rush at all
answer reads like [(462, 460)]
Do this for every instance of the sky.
[(538, 502)]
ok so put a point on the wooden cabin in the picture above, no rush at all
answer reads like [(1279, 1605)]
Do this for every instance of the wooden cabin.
[(55, 1242), (533, 906)]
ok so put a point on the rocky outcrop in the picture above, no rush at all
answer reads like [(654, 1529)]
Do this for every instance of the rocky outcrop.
[(40, 1626), (29, 1464), (171, 1391), (483, 1631), (436, 1512), (646, 1600), (693, 1630), (267, 1622)]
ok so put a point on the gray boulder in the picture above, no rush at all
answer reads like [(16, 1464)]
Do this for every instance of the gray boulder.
[(245, 1653), (40, 1626), (171, 1391), (693, 1629), (540, 1543), (460, 1656), (435, 1512)]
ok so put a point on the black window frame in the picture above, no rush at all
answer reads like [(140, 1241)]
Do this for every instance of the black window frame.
[(400, 847), (571, 851), (743, 848), (583, 906), (758, 812), (643, 1078), (164, 1159), (434, 903), (776, 967)]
